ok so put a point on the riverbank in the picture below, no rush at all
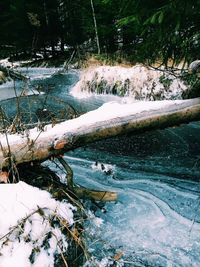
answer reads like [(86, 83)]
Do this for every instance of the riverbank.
[(156, 178), (39, 221), (118, 76)]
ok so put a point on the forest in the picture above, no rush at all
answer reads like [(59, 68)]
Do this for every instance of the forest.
[(142, 31)]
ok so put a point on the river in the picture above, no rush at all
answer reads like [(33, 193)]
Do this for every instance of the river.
[(156, 219)]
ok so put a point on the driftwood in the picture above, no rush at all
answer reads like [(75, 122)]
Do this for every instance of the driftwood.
[(53, 141), (82, 192)]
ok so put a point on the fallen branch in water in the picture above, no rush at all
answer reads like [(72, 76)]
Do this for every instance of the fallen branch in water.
[(82, 192)]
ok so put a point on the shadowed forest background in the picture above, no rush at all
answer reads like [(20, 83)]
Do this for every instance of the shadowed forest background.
[(142, 31)]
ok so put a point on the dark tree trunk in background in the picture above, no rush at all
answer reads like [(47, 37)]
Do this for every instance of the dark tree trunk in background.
[(95, 27), (62, 45), (53, 52)]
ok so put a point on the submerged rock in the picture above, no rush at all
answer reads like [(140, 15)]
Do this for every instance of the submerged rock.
[(138, 82)]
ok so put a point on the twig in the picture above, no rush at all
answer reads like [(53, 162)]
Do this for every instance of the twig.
[(61, 253), (66, 63), (69, 171), (22, 221), (73, 235)]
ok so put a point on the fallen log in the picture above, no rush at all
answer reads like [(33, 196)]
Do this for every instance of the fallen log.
[(111, 119)]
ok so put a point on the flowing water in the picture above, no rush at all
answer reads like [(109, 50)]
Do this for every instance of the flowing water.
[(156, 219)]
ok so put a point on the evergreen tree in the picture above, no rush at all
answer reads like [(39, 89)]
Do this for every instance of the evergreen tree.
[(145, 30)]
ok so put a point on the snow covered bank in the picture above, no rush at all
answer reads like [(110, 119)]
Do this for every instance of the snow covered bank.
[(30, 233), (138, 82)]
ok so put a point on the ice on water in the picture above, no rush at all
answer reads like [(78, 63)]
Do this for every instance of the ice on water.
[(156, 220)]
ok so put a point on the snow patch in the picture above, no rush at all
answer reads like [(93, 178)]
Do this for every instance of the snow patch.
[(105, 262), (27, 234)]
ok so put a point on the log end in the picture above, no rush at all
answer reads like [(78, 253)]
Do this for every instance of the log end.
[(95, 195)]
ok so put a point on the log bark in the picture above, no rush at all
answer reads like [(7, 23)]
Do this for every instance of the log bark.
[(107, 121)]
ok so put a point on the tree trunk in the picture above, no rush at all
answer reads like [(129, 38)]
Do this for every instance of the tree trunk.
[(107, 121), (62, 45), (95, 27)]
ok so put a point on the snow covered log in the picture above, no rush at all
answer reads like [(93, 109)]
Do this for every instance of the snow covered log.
[(109, 120)]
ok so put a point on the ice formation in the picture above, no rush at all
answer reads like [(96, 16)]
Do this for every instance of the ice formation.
[(138, 82)]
